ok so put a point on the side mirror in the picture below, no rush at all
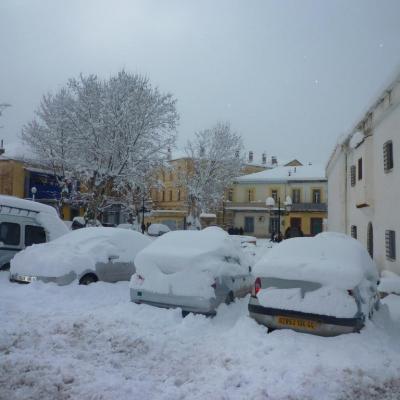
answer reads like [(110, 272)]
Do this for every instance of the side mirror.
[(112, 257), (249, 270)]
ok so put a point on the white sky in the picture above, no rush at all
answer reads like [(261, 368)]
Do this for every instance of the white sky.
[(290, 76)]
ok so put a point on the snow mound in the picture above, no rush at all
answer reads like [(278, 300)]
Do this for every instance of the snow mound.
[(77, 251), (329, 258), (389, 282), (157, 229), (46, 216), (187, 262)]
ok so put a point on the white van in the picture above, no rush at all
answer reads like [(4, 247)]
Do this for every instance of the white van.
[(23, 223)]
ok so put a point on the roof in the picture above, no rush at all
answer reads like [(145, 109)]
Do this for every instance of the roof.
[(286, 174), (15, 202)]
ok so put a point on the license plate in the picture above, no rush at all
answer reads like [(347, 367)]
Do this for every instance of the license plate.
[(297, 323)]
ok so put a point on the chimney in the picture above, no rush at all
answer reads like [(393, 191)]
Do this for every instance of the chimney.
[(202, 151), (237, 154), (169, 154), (250, 156), (2, 150), (274, 160), (264, 158)]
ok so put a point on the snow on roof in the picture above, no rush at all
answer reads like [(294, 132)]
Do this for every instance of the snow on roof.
[(356, 139), (18, 151), (332, 259), (284, 174), (79, 250)]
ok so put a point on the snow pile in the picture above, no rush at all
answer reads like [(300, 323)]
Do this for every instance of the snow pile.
[(77, 251), (356, 139), (75, 342), (187, 262), (332, 259), (157, 229), (45, 216), (389, 282)]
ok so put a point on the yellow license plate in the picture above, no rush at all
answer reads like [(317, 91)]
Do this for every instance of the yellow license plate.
[(297, 323)]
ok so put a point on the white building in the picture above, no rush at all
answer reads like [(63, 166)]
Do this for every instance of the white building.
[(364, 181)]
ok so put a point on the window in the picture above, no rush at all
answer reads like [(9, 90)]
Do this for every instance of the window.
[(170, 195), (353, 175), (370, 240), (34, 235), (296, 196), (390, 242), (179, 195), (10, 233), (316, 196), (353, 231), (274, 195), (250, 195), (360, 171), (230, 194), (163, 195), (249, 224), (388, 156)]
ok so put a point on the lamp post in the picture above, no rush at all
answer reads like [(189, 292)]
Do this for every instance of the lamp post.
[(270, 203), (34, 191)]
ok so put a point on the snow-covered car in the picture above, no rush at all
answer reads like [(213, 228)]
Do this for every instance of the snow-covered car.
[(326, 285), (85, 255), (23, 223), (192, 270), (245, 240), (157, 229)]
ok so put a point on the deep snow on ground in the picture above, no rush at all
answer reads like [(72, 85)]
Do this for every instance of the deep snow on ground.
[(91, 342)]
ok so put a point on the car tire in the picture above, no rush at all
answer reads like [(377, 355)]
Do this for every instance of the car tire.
[(88, 279), (5, 267), (230, 298)]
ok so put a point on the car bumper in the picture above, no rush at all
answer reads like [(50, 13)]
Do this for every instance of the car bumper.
[(192, 304), (316, 324), (61, 280)]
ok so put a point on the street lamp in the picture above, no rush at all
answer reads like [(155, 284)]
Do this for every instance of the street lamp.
[(34, 191), (270, 203)]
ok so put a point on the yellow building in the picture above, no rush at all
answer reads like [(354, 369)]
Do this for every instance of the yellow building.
[(18, 177), (300, 197), (169, 201)]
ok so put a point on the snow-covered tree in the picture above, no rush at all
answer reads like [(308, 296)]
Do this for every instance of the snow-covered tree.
[(108, 134), (216, 160)]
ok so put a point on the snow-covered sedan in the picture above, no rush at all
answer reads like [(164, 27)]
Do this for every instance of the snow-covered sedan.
[(85, 255), (326, 285), (192, 270)]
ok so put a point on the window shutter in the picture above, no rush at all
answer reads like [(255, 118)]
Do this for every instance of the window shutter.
[(353, 175), (390, 243), (388, 155)]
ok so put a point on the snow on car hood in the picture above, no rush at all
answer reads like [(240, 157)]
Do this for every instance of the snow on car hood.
[(77, 251), (187, 262), (331, 259)]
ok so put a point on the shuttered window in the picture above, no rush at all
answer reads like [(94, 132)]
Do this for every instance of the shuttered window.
[(390, 241), (353, 175), (354, 231), (388, 156), (360, 169)]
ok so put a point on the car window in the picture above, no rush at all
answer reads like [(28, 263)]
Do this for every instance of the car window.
[(34, 235), (10, 233)]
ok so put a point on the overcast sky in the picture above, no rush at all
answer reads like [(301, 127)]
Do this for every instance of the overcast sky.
[(290, 76)]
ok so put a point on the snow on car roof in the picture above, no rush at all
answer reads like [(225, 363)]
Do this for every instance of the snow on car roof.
[(45, 215), (79, 250), (178, 250), (329, 258), (10, 201)]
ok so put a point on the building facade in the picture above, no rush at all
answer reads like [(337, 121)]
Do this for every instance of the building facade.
[(364, 180), (299, 193)]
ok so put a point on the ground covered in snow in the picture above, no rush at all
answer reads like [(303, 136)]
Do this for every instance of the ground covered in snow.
[(91, 342)]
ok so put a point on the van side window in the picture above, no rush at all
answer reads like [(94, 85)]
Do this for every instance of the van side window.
[(10, 233), (34, 235)]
